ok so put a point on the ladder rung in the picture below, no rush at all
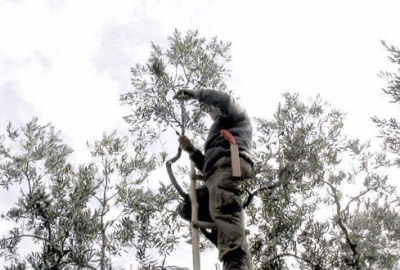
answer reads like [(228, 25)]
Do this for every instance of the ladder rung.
[(198, 177)]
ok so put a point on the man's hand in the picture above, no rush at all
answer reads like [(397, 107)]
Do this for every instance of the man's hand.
[(186, 94), (186, 144)]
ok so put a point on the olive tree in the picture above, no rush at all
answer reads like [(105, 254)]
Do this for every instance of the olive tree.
[(189, 62), (51, 207), (315, 192), (81, 217), (319, 189), (390, 128)]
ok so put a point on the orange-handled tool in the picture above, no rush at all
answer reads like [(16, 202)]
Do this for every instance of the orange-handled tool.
[(236, 171)]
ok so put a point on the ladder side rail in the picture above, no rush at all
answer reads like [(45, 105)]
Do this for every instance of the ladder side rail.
[(195, 219)]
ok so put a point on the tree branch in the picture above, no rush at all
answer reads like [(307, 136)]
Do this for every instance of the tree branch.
[(26, 235), (284, 175), (355, 198), (28, 178), (97, 198), (294, 256), (353, 246), (171, 173), (176, 74), (111, 197)]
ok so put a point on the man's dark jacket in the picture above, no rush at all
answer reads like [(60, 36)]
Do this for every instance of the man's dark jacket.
[(232, 118)]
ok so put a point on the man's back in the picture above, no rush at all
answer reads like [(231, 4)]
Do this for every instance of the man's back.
[(232, 118)]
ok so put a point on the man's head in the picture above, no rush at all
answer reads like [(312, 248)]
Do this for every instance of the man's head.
[(214, 113)]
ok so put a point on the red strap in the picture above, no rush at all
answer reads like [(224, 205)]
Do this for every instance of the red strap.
[(227, 135)]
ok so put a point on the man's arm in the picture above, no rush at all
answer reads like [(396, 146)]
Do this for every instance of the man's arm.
[(195, 155), (223, 101), (198, 159)]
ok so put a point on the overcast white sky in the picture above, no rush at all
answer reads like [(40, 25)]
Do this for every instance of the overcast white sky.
[(67, 62)]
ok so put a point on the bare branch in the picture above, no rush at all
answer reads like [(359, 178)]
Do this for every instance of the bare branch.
[(294, 256), (352, 245), (26, 235), (171, 174), (356, 198)]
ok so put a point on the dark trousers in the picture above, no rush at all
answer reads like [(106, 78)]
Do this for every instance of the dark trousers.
[(226, 212)]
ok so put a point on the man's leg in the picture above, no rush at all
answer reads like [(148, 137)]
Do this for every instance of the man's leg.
[(226, 212)]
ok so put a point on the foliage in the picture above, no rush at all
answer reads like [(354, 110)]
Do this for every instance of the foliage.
[(189, 62), (319, 189), (51, 209), (390, 128), (318, 199), (315, 188), (81, 219)]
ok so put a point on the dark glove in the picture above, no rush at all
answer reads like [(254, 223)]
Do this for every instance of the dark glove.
[(186, 144)]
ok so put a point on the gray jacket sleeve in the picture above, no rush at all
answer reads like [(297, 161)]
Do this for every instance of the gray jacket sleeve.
[(198, 159), (227, 105)]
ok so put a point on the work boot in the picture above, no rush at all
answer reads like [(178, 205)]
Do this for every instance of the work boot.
[(235, 260), (203, 198)]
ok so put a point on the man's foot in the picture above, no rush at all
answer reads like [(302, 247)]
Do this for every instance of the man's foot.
[(235, 260)]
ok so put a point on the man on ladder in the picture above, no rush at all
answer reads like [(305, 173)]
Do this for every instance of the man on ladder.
[(223, 175)]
